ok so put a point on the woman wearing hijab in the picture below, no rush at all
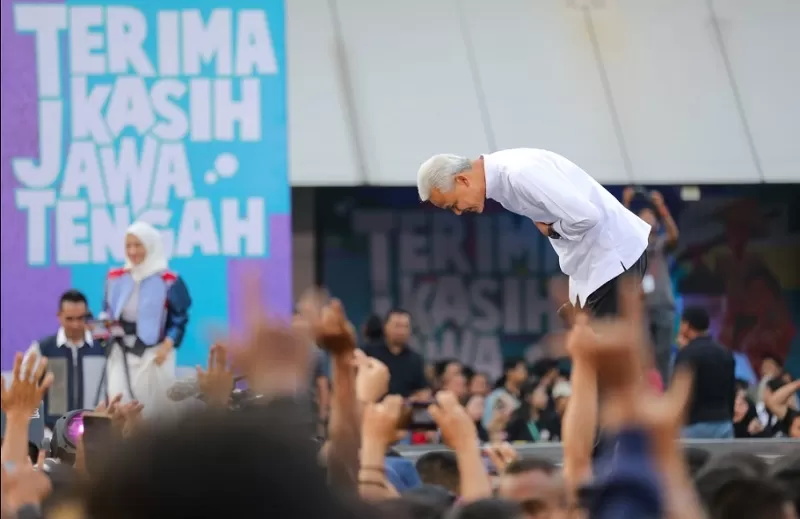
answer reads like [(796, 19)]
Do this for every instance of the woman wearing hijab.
[(151, 304)]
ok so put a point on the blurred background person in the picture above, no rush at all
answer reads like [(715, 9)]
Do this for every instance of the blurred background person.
[(505, 399), (406, 366), (656, 283), (151, 303), (710, 414)]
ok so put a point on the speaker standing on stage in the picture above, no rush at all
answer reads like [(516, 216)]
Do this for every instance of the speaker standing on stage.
[(151, 304), (596, 238)]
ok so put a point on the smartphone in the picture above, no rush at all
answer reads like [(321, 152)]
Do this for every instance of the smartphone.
[(418, 418), (97, 433)]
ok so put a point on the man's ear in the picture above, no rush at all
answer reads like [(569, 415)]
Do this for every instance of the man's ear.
[(463, 180)]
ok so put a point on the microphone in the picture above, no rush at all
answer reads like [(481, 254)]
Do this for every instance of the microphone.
[(183, 389), (189, 388)]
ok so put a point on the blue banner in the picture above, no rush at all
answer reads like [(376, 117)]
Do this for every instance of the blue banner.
[(173, 112)]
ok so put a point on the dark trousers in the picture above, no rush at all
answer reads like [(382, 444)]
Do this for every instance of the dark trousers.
[(603, 301)]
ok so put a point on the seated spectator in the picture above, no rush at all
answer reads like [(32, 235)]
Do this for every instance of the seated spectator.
[(532, 421), (505, 398), (444, 370), (478, 384), (779, 404), (746, 423), (474, 408)]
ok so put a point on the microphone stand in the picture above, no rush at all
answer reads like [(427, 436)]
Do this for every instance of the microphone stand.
[(108, 345)]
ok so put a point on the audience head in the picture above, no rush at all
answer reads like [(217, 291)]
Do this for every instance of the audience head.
[(397, 327), (479, 384), (694, 323), (439, 468), (447, 368), (474, 407), (261, 468), (487, 509), (536, 485), (771, 366), (786, 471), (457, 384), (748, 498), (515, 372)]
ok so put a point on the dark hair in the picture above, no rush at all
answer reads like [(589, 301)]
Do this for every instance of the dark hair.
[(396, 311), (72, 296), (696, 317), (468, 372), (161, 473), (542, 366), (523, 465), (411, 507), (441, 366), (786, 471), (439, 468), (508, 365), (511, 363), (373, 328), (774, 358), (722, 469), (487, 509), (746, 498)]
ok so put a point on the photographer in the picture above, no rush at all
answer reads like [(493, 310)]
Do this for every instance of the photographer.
[(656, 283)]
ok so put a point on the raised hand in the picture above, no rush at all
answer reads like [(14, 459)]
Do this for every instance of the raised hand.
[(457, 428), (273, 356), (216, 384), (614, 346), (381, 421), (501, 455), (372, 379), (328, 323), (24, 485), (627, 195), (28, 386)]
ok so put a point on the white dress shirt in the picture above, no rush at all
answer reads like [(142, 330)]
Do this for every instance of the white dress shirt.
[(600, 238), (62, 340)]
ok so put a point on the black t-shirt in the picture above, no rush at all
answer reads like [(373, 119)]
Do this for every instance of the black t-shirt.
[(785, 424), (546, 428), (407, 369), (714, 387)]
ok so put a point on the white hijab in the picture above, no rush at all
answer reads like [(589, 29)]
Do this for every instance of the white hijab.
[(154, 261)]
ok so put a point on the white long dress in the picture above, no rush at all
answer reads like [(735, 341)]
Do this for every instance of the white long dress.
[(148, 380)]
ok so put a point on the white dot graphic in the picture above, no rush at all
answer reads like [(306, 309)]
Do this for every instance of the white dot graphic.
[(226, 165), (211, 177)]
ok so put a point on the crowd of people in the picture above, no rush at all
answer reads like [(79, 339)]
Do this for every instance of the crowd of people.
[(621, 454)]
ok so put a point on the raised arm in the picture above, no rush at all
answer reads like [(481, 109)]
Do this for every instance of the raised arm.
[(552, 191)]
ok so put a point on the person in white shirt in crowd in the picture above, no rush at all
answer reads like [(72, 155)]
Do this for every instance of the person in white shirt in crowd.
[(74, 358), (596, 238)]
